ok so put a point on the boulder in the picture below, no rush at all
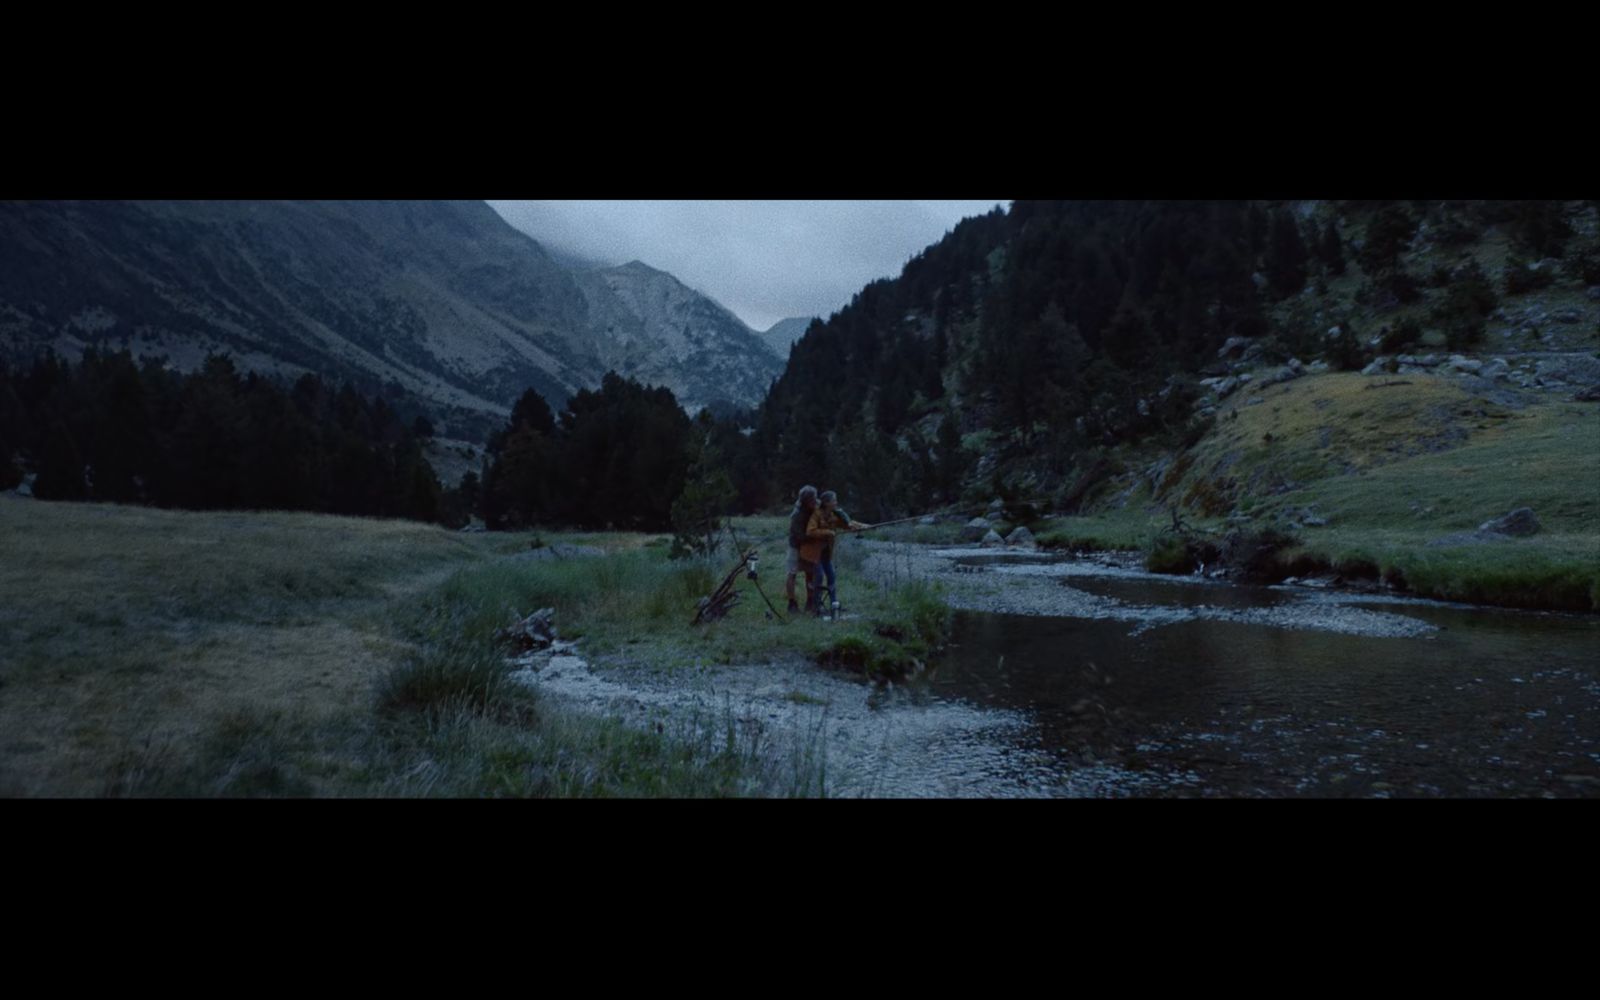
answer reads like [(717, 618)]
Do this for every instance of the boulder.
[(1022, 536), (974, 529), (1518, 522), (992, 540), (996, 505), (1284, 374), (930, 519), (1231, 346), (1469, 365), (1579, 369), (1495, 369), (1318, 367)]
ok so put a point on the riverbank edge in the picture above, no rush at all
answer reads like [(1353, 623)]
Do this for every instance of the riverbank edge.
[(1486, 572)]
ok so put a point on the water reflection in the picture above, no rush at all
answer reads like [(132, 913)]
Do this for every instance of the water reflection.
[(1491, 703)]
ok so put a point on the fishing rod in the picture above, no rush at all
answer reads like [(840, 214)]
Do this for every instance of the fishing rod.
[(943, 512)]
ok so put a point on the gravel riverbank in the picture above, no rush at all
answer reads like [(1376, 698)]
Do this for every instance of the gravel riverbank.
[(858, 740)]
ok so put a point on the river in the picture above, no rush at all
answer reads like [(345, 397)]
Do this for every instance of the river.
[(1136, 685)]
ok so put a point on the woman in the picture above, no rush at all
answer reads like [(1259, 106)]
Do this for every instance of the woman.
[(824, 524)]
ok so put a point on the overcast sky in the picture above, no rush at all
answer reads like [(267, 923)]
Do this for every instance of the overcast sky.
[(765, 260)]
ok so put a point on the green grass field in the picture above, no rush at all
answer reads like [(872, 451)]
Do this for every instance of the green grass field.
[(1394, 469), (158, 653)]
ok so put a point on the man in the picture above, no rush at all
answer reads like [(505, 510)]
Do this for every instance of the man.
[(799, 520), (830, 516)]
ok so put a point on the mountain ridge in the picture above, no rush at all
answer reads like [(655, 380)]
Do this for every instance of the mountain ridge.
[(442, 300)]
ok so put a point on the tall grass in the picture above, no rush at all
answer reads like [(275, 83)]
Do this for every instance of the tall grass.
[(1556, 571), (166, 653)]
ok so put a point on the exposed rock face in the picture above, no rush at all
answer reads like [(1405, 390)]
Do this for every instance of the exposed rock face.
[(444, 299), (650, 326), (1574, 369), (1519, 522)]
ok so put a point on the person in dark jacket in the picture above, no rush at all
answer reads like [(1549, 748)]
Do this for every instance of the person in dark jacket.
[(799, 520)]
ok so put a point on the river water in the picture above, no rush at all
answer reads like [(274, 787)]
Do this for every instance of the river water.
[(1161, 687)]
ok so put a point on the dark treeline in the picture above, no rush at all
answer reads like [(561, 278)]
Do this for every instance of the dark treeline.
[(619, 456), (112, 429)]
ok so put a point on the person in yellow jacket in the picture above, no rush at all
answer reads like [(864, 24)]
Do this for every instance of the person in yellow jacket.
[(821, 531)]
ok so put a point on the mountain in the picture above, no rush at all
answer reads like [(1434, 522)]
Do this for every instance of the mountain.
[(441, 300), (650, 326), (782, 334), (1053, 347)]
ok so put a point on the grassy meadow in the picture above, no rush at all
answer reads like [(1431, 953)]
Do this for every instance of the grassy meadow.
[(1398, 472), (163, 653)]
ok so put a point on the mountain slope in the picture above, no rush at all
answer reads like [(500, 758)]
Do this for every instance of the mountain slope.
[(1033, 349), (443, 300), (782, 334), (652, 327)]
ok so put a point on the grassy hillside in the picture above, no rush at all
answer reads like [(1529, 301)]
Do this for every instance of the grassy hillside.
[(1388, 475)]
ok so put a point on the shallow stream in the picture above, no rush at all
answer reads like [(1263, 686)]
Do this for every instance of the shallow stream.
[(1139, 685)]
